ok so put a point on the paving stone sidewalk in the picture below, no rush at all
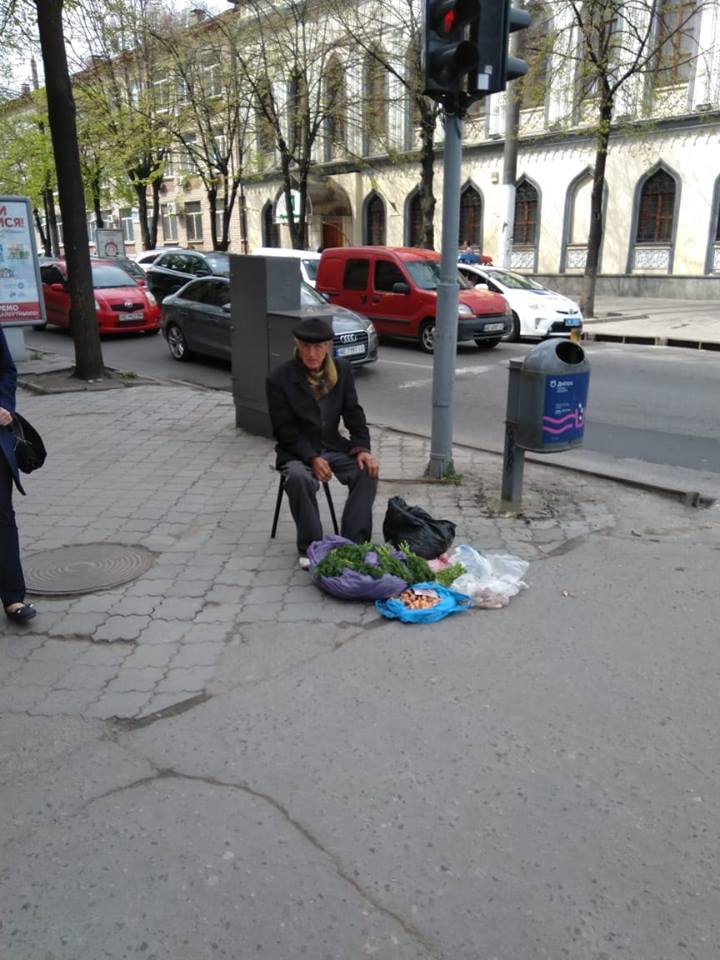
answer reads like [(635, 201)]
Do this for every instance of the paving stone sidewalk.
[(163, 467)]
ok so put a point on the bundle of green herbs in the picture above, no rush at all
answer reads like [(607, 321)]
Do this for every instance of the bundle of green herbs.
[(376, 560)]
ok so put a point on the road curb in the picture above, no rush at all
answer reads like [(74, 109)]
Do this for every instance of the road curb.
[(641, 340), (690, 497)]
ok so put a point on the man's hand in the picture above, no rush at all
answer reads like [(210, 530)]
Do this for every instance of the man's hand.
[(366, 461), (5, 417), (321, 469)]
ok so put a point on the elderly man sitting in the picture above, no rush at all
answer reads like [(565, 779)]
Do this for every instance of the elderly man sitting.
[(307, 397)]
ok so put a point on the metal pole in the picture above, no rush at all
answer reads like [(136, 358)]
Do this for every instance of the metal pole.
[(509, 179), (445, 347), (513, 455)]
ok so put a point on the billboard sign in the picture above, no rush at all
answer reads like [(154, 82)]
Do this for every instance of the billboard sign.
[(109, 243), (21, 299)]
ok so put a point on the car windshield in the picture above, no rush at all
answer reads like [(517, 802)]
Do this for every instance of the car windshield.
[(514, 281), (425, 273), (311, 267), (104, 276), (219, 263), (310, 297)]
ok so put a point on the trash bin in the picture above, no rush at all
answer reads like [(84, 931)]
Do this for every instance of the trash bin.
[(552, 397)]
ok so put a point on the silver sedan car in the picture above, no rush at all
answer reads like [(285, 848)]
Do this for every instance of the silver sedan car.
[(196, 321)]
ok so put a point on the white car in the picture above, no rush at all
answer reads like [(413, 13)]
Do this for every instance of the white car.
[(146, 258), (308, 260), (537, 311)]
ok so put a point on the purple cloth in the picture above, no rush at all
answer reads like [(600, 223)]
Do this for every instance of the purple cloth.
[(351, 585)]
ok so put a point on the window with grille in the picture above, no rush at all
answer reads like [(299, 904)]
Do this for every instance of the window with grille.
[(470, 217), (657, 206), (375, 222), (270, 230), (414, 226), (526, 202), (676, 41), (375, 102), (193, 221), (127, 224), (336, 109)]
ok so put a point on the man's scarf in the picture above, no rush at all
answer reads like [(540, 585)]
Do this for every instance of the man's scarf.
[(323, 380)]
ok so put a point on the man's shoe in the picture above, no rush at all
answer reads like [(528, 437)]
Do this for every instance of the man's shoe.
[(303, 563)]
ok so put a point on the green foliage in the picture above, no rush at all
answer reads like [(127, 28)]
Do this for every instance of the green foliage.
[(446, 576), (353, 556)]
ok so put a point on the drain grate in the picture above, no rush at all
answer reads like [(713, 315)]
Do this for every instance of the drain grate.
[(84, 568)]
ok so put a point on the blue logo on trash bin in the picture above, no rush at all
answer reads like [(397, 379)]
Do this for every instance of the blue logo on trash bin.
[(564, 410)]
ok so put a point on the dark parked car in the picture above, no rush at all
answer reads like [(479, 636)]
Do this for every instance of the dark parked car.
[(196, 319), (175, 268)]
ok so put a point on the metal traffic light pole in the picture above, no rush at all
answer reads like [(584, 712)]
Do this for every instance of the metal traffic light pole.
[(445, 347)]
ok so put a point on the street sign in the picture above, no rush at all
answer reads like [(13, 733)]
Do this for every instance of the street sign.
[(21, 299)]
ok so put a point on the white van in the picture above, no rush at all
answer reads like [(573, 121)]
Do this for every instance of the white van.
[(308, 260)]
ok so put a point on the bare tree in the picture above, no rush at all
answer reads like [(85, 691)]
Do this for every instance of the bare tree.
[(388, 34), (211, 113), (284, 64), (619, 51), (127, 95)]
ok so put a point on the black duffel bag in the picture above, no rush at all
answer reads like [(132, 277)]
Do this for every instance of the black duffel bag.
[(30, 451), (413, 525)]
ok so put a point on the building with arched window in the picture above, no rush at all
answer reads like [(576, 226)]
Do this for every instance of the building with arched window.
[(369, 169)]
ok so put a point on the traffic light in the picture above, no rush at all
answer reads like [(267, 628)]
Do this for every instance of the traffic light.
[(449, 56), (491, 34)]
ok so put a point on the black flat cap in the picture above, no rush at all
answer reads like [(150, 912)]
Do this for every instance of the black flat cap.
[(313, 330)]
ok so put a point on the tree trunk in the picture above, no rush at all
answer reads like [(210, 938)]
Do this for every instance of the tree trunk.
[(44, 238), (99, 222), (141, 194), (51, 220), (427, 174), (155, 213), (63, 130), (595, 234), (212, 203)]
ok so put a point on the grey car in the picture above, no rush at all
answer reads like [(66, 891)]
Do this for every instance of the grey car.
[(196, 320)]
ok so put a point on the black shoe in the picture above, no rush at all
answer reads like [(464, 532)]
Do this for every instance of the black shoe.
[(22, 614)]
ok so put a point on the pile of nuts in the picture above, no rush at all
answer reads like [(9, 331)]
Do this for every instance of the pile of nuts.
[(419, 599)]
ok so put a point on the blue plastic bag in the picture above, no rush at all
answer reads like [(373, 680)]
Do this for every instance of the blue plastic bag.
[(450, 602)]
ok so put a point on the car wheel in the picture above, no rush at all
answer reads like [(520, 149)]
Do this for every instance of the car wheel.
[(514, 334), (177, 344), (487, 344), (426, 336)]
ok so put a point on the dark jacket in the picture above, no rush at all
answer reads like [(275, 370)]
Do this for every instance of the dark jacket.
[(303, 427), (8, 383)]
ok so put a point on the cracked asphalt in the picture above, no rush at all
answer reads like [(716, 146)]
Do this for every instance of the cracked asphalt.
[(217, 760)]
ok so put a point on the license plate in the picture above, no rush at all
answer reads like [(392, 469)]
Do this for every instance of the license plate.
[(351, 351), (573, 322), (131, 317), (491, 327)]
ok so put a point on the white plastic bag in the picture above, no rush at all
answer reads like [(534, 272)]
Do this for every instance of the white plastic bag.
[(491, 578)]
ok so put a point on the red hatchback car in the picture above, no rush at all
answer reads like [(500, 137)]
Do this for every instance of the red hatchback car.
[(121, 305)]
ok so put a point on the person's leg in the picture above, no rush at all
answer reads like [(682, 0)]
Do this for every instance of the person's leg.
[(12, 582), (301, 488), (356, 522)]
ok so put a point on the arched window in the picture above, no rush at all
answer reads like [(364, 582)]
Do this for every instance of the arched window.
[(375, 232), (657, 209), (471, 210), (526, 204), (335, 110), (376, 103), (413, 220), (270, 230)]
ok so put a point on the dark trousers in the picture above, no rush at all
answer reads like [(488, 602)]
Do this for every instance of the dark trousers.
[(12, 583), (301, 487)]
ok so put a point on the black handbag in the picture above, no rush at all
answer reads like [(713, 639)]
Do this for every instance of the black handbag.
[(30, 451)]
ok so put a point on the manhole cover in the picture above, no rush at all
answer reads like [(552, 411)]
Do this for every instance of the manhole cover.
[(84, 568)]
